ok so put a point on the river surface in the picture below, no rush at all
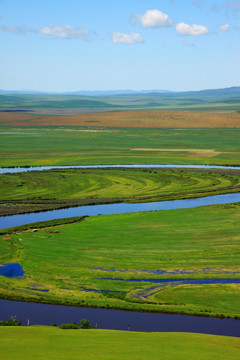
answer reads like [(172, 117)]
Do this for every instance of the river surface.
[(119, 208), (159, 166), (114, 319)]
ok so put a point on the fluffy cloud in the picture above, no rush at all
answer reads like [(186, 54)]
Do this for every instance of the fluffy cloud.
[(65, 32), (195, 30), (153, 19), (121, 38), (224, 27)]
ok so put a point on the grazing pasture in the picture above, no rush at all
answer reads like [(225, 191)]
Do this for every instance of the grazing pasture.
[(53, 189), (83, 146), (156, 119), (119, 261)]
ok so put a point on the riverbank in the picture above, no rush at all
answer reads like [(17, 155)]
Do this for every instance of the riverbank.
[(54, 189)]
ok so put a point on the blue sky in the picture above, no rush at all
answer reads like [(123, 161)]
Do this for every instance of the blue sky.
[(71, 45)]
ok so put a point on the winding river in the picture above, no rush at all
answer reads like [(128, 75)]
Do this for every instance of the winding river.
[(157, 166), (114, 319)]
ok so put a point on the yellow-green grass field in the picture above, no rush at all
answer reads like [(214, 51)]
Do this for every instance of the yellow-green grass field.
[(76, 263), (52, 189), (85, 146), (42, 342)]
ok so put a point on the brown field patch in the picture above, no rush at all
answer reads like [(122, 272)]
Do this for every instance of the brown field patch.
[(92, 130), (200, 152), (131, 119)]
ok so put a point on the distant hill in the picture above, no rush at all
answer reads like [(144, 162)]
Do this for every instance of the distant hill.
[(118, 92), (231, 91), (213, 99), (235, 90)]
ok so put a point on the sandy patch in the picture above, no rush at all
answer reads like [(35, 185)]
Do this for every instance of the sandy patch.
[(201, 152), (90, 130)]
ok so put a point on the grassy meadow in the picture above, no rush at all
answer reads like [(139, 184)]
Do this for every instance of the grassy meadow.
[(52, 189), (77, 263), (41, 342), (71, 129), (87, 146)]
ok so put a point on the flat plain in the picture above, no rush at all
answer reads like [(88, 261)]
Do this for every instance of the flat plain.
[(83, 146)]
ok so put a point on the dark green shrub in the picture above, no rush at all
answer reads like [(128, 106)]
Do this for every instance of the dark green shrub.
[(69, 326), (11, 322)]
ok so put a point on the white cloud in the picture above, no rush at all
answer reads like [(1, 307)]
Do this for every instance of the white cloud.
[(153, 19), (195, 30), (121, 38), (65, 32), (224, 27)]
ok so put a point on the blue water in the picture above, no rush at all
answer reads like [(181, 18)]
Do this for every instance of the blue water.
[(119, 208), (40, 168), (44, 314), (100, 291), (182, 281), (113, 319), (11, 270), (172, 272), (42, 290)]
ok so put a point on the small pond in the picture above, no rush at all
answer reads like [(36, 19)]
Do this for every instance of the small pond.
[(11, 270)]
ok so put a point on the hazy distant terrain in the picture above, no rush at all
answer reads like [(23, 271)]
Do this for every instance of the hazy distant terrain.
[(220, 99)]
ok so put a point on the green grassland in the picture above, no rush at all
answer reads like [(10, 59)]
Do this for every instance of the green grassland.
[(82, 146), (74, 261), (41, 342), (52, 189)]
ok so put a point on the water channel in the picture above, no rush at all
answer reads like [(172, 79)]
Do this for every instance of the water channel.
[(115, 319), (156, 166), (119, 208)]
